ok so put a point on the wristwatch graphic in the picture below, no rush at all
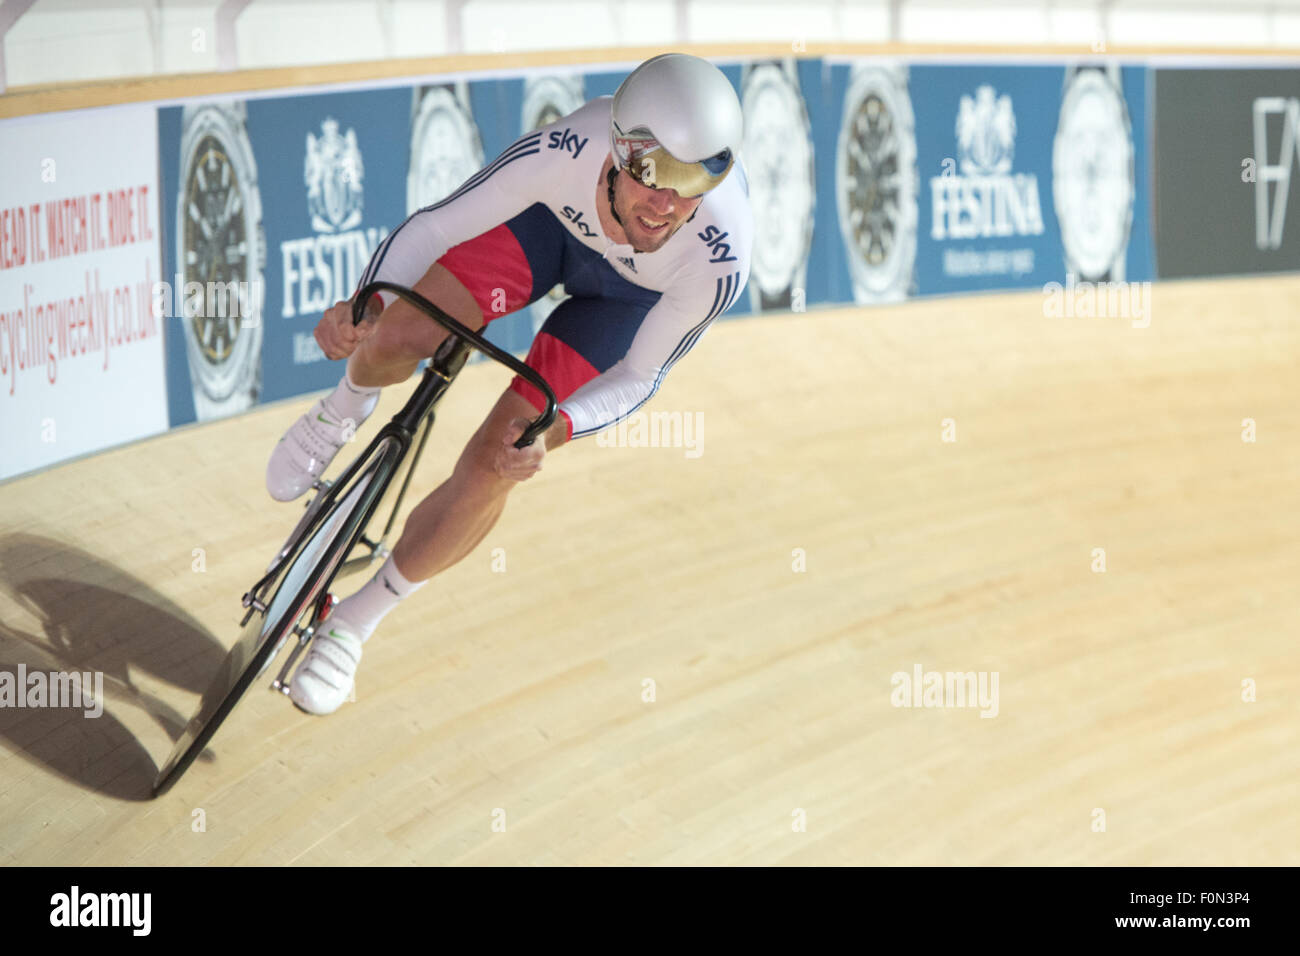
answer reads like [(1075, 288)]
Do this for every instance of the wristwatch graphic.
[(221, 246), (1092, 173), (445, 146), (876, 183), (778, 156)]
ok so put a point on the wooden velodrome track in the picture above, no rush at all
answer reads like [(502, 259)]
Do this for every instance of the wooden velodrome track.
[(518, 695)]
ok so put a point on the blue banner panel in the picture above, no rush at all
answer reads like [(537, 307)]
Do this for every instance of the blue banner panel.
[(1030, 175), (1140, 262), (828, 278), (871, 181), (984, 137), (333, 175), (281, 201)]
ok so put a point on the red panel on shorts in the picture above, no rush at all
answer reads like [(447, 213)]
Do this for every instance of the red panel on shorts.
[(490, 262), (561, 366)]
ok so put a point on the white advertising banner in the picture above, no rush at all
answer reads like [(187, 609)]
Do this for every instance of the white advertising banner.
[(81, 351)]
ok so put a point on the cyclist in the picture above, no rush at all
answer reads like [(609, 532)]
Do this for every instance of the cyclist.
[(651, 239)]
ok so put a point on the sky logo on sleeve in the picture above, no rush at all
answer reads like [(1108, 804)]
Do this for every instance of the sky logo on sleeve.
[(719, 251)]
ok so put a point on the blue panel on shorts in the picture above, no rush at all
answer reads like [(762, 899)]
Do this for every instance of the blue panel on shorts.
[(604, 310), (542, 238)]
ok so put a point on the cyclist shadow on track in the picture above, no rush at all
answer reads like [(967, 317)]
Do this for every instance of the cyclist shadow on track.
[(85, 616)]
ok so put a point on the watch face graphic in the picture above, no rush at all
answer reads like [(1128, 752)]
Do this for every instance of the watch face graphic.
[(445, 148), (216, 246), (1092, 175), (877, 184), (549, 97), (221, 249), (779, 162)]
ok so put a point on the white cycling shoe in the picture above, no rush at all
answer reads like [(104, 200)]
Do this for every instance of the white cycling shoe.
[(305, 451), (325, 679)]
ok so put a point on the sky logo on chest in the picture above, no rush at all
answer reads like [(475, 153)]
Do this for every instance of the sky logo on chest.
[(567, 140), (575, 216)]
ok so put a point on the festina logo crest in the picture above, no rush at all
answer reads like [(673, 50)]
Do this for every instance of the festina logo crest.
[(986, 134), (983, 197), (325, 267), (333, 173)]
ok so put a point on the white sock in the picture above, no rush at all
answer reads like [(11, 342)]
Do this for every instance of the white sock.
[(352, 401), (365, 609)]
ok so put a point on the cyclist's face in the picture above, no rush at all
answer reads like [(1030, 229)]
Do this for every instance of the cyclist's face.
[(650, 216)]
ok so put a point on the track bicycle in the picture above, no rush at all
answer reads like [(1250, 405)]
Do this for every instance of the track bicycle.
[(332, 537)]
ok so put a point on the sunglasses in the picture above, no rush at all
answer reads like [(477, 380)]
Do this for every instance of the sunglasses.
[(650, 164)]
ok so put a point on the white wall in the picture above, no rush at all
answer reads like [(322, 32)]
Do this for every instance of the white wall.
[(58, 41)]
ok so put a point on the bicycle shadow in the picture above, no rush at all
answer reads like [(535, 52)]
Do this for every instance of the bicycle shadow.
[(94, 619)]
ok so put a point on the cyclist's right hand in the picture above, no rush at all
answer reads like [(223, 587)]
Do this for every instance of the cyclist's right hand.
[(337, 336)]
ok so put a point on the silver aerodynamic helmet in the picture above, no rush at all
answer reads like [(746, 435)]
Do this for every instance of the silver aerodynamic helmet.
[(676, 124)]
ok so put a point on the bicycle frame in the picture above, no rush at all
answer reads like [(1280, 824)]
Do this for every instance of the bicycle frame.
[(442, 370), (252, 654)]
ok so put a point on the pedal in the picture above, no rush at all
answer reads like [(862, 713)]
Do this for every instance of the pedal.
[(304, 635)]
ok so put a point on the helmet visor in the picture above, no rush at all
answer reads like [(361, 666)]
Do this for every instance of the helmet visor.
[(650, 164)]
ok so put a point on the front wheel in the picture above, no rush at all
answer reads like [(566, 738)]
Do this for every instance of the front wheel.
[(303, 580)]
